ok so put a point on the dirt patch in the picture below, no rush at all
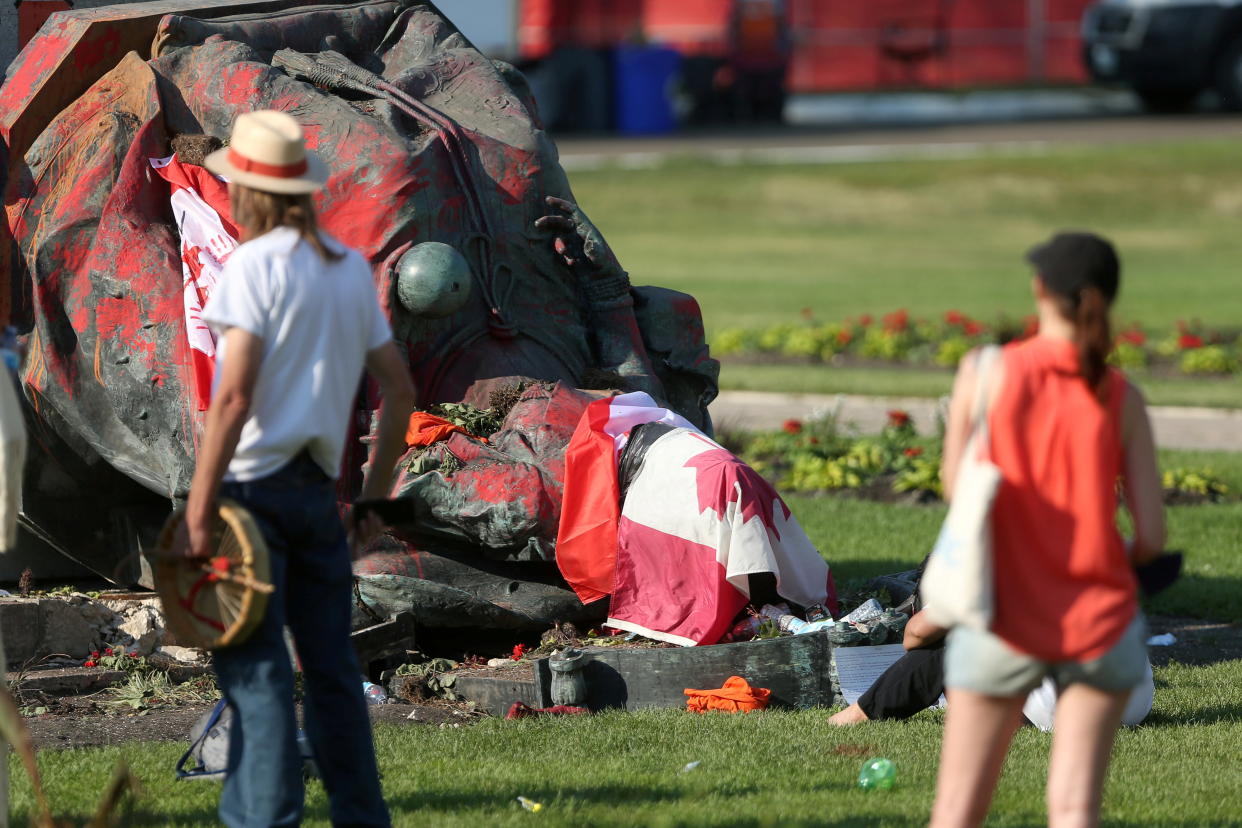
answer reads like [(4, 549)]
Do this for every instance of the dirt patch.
[(78, 722), (89, 721), (1198, 641)]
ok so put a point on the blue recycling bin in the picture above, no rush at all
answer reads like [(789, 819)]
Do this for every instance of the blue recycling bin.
[(643, 89)]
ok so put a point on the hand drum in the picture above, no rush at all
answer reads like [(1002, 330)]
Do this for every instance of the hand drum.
[(219, 602)]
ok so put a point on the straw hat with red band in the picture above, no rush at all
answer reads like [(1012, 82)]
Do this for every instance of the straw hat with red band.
[(267, 152)]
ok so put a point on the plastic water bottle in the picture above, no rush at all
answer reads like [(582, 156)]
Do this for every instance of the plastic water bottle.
[(373, 693), (795, 625), (877, 775)]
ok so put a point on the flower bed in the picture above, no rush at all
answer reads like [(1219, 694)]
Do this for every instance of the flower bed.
[(814, 456), (897, 465), (1188, 348)]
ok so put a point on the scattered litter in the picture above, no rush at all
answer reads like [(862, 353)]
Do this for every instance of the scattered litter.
[(373, 693), (530, 804), (690, 766), (499, 662), (520, 710), (877, 775), (1165, 640), (865, 612)]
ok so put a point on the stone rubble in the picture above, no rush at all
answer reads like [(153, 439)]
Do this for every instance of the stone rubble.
[(65, 630)]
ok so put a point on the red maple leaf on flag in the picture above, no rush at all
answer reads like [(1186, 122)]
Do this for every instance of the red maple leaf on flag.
[(722, 479)]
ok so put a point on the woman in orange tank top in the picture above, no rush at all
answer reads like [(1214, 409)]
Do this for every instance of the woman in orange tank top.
[(1064, 429)]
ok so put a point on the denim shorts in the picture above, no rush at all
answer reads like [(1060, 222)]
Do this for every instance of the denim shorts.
[(984, 663)]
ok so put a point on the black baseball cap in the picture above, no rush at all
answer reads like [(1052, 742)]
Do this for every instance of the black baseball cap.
[(1071, 261)]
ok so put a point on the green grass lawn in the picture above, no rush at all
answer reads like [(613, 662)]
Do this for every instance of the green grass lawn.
[(757, 244), (778, 768)]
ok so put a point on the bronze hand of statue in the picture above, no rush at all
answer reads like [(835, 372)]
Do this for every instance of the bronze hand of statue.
[(578, 242)]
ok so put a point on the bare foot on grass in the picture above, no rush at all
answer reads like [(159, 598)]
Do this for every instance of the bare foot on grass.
[(850, 715)]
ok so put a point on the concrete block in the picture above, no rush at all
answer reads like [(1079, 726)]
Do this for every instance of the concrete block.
[(22, 628)]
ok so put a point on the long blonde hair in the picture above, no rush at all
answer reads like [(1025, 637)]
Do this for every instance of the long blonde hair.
[(256, 212)]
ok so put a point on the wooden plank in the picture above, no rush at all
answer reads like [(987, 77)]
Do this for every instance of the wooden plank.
[(795, 668)]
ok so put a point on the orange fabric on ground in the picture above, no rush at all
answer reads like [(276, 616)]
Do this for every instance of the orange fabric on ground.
[(737, 696), (425, 429), (1065, 590)]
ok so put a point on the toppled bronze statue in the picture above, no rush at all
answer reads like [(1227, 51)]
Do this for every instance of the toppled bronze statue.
[(495, 281)]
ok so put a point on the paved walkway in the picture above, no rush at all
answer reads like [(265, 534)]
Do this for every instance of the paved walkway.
[(837, 144), (1175, 427)]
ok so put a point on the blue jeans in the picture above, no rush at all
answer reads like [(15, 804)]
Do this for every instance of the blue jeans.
[(295, 509)]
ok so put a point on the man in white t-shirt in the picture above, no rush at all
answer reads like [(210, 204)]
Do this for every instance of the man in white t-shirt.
[(298, 318)]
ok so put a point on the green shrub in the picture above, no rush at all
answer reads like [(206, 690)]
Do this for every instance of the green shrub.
[(950, 352), (734, 341), (1210, 359), (1128, 356), (772, 340), (1194, 481)]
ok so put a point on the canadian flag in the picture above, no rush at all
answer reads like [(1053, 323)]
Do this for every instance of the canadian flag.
[(200, 205), (696, 523)]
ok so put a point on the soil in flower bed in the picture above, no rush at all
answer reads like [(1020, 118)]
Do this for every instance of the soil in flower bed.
[(84, 721), (880, 490)]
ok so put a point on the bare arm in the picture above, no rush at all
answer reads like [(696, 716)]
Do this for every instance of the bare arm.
[(390, 372), (920, 632), (230, 406), (957, 426), (1142, 479)]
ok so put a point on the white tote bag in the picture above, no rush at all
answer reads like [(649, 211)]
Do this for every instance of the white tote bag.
[(957, 583)]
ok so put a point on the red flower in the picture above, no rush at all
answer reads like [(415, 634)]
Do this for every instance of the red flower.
[(972, 328), (133, 654), (519, 650), (792, 426), (913, 451), (898, 418), (954, 318), (88, 663), (107, 651), (1188, 340), (844, 337), (1133, 336), (897, 321), (95, 653), (814, 441), (865, 320)]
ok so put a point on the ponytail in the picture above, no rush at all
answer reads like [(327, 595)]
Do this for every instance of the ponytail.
[(1093, 335)]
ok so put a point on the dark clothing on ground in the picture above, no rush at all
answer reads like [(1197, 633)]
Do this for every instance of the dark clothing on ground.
[(915, 682)]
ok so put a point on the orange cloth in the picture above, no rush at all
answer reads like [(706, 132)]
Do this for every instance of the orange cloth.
[(425, 429), (1065, 590), (737, 696)]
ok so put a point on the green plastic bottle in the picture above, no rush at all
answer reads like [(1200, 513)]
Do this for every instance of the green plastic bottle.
[(877, 775)]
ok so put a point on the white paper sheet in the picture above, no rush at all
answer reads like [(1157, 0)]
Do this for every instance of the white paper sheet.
[(859, 667)]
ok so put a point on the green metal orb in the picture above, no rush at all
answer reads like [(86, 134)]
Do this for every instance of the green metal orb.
[(433, 280)]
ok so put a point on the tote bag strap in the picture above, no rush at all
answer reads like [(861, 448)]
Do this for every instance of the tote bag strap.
[(984, 365)]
